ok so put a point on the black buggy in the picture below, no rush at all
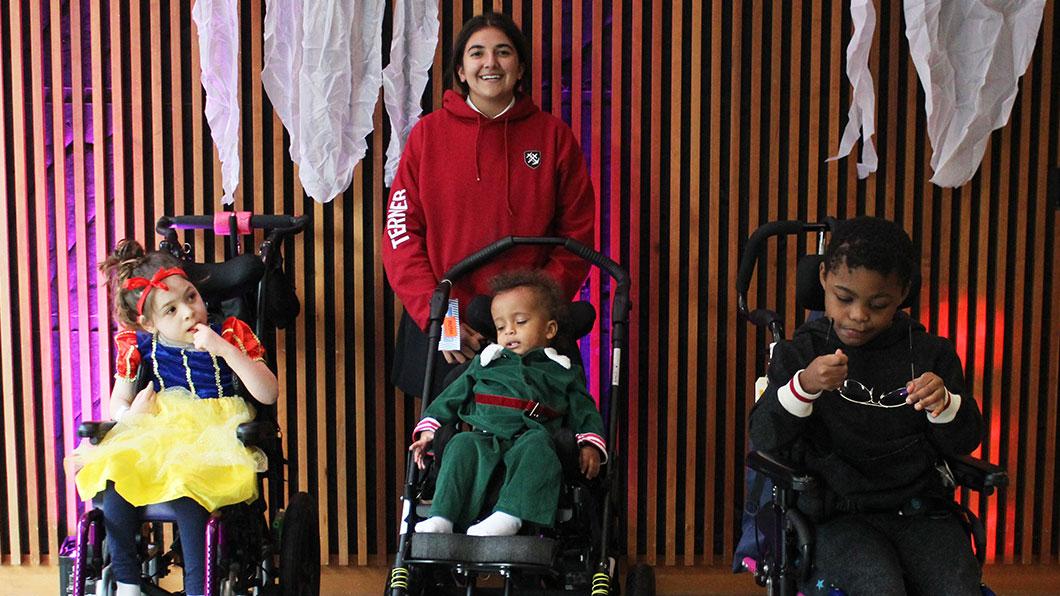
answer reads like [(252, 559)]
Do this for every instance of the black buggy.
[(579, 555)]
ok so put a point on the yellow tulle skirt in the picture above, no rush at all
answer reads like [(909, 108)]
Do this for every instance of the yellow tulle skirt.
[(187, 448)]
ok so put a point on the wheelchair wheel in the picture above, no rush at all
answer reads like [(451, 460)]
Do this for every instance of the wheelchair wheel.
[(300, 548), (641, 581)]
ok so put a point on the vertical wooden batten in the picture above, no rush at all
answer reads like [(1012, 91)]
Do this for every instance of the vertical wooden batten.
[(7, 326)]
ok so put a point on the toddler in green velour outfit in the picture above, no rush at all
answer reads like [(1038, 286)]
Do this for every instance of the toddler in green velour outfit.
[(513, 395)]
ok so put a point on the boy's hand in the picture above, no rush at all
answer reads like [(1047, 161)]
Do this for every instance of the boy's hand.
[(825, 372), (144, 402), (207, 339), (928, 392), (590, 461), (420, 446)]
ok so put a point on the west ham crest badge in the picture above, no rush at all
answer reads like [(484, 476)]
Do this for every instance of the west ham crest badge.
[(532, 158)]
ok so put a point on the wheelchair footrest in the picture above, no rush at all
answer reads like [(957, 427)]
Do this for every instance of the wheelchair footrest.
[(488, 550)]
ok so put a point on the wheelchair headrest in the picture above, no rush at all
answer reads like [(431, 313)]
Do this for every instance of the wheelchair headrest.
[(230, 279), (576, 323), (810, 295)]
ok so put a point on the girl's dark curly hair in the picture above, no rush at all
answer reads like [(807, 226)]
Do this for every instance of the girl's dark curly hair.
[(873, 243), (550, 297), (497, 20), (130, 260)]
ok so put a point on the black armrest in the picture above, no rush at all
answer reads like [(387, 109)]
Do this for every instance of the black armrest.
[(258, 432), (780, 472), (568, 452), (94, 430), (977, 474)]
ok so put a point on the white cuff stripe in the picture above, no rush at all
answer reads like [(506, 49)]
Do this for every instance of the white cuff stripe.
[(802, 393), (950, 412), (792, 402), (426, 424), (596, 441)]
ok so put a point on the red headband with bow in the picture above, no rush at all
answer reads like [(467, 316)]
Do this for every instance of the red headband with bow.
[(136, 283)]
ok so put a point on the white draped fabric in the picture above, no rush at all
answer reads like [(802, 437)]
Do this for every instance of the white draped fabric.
[(323, 69), (861, 118), (217, 22), (415, 38), (969, 55)]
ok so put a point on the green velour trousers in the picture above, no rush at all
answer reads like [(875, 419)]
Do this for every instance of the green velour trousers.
[(532, 475)]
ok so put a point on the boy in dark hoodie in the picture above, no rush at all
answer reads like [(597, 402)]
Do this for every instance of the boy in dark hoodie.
[(868, 400)]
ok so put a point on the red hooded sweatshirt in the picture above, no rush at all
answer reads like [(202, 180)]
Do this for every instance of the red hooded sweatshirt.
[(466, 181)]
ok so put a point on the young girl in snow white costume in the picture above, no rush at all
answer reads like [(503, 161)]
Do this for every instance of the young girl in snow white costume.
[(174, 441)]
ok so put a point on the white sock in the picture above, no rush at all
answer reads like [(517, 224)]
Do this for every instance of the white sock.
[(435, 525), (127, 589), (498, 523)]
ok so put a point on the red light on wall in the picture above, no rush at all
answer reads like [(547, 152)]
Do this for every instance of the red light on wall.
[(956, 309)]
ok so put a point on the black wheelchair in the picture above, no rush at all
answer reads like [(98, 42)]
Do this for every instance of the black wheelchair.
[(256, 548), (579, 553), (777, 545)]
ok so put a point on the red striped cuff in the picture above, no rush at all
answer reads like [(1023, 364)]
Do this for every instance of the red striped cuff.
[(803, 398), (596, 441), (426, 424)]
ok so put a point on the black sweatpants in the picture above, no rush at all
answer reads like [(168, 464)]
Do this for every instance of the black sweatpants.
[(886, 553), (122, 521)]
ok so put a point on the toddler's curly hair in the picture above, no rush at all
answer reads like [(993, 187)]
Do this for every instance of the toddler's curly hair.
[(550, 297)]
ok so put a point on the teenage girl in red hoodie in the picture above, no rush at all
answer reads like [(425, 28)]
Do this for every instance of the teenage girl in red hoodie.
[(489, 164)]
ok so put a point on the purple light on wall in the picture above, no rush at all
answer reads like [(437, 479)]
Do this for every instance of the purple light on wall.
[(80, 278)]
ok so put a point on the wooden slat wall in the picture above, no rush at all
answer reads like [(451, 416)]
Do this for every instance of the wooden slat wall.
[(700, 120)]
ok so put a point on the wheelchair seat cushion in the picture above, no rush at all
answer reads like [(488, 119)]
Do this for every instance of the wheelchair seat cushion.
[(188, 448)]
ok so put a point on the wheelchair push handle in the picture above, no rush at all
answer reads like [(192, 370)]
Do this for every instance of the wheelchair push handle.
[(222, 222), (491, 251), (620, 301), (755, 248)]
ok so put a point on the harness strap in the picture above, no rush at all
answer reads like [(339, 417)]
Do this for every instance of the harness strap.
[(533, 409)]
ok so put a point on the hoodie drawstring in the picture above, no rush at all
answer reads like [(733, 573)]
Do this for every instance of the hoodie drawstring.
[(507, 163), (478, 131), (507, 172)]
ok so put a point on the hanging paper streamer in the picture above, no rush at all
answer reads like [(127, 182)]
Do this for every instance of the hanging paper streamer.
[(969, 55), (218, 24), (411, 54), (323, 69), (862, 114)]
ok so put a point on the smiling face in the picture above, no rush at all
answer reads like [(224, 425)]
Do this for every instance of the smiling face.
[(491, 69), (861, 302), (522, 324), (175, 312)]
